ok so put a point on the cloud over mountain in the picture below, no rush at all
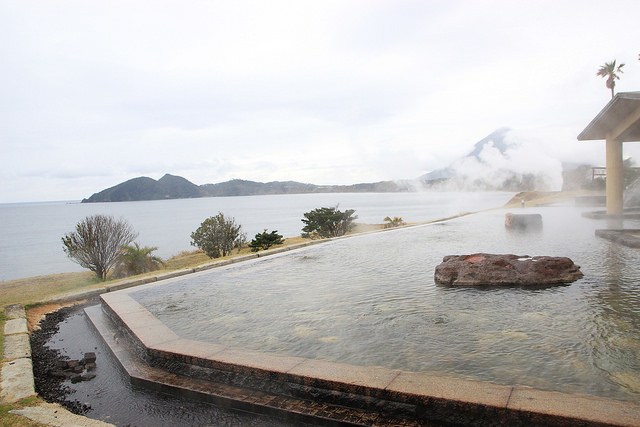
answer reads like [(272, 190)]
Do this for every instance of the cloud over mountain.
[(503, 160)]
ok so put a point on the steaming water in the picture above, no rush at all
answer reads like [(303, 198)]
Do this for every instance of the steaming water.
[(371, 300), (30, 233)]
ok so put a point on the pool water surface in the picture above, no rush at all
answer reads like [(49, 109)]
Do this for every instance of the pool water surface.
[(371, 300)]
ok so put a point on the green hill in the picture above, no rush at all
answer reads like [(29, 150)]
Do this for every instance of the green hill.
[(176, 187)]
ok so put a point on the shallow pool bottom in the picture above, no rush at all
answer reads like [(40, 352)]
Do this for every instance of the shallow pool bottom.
[(325, 393)]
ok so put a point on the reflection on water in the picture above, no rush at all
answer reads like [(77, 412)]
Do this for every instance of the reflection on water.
[(371, 300), (617, 322)]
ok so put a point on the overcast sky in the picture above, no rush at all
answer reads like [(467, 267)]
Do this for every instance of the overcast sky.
[(326, 92)]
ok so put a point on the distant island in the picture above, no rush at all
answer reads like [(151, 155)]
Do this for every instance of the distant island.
[(472, 172), (177, 187)]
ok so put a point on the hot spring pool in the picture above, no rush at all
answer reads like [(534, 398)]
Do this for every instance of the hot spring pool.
[(371, 300)]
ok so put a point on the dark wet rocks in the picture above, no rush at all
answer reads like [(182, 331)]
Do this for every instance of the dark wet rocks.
[(75, 370), (505, 269), (51, 370)]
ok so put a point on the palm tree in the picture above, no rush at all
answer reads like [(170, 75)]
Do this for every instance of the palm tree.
[(610, 71), (134, 260)]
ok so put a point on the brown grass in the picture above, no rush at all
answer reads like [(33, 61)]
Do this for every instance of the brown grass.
[(39, 288), (186, 259), (364, 228)]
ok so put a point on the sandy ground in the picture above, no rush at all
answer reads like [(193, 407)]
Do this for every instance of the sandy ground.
[(36, 314)]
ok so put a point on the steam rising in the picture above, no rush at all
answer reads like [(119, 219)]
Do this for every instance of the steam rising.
[(504, 160)]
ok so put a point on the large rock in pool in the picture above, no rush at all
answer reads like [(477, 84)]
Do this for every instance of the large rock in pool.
[(491, 269)]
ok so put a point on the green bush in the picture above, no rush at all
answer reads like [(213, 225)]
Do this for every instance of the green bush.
[(134, 259), (328, 222), (265, 240), (396, 221), (217, 236)]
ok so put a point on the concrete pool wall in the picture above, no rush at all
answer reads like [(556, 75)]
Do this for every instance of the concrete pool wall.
[(321, 391)]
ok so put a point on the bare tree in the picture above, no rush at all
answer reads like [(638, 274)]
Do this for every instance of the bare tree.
[(97, 242)]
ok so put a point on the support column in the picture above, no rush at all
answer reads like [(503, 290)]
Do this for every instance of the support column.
[(615, 180)]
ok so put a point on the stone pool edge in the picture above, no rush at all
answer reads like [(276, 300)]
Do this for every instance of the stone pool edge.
[(428, 394)]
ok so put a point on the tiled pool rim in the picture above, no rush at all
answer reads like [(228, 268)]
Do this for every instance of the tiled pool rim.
[(428, 396)]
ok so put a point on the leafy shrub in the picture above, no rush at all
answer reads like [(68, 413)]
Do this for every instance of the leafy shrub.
[(217, 236), (134, 259), (265, 240), (328, 222)]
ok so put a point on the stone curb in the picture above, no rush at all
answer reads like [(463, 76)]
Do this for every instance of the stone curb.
[(15, 311), (17, 346), (17, 380), (17, 370), (15, 326)]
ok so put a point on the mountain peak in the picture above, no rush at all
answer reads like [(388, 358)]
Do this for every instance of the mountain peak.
[(497, 162), (497, 137), (166, 178), (145, 188)]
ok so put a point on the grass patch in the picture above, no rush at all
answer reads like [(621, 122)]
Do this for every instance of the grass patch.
[(8, 419), (34, 289), (186, 259)]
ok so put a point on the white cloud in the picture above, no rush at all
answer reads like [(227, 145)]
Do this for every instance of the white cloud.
[(324, 92)]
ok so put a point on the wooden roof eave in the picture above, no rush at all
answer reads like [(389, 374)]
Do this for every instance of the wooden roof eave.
[(619, 120)]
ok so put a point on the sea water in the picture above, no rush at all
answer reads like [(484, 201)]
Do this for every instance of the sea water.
[(31, 233)]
